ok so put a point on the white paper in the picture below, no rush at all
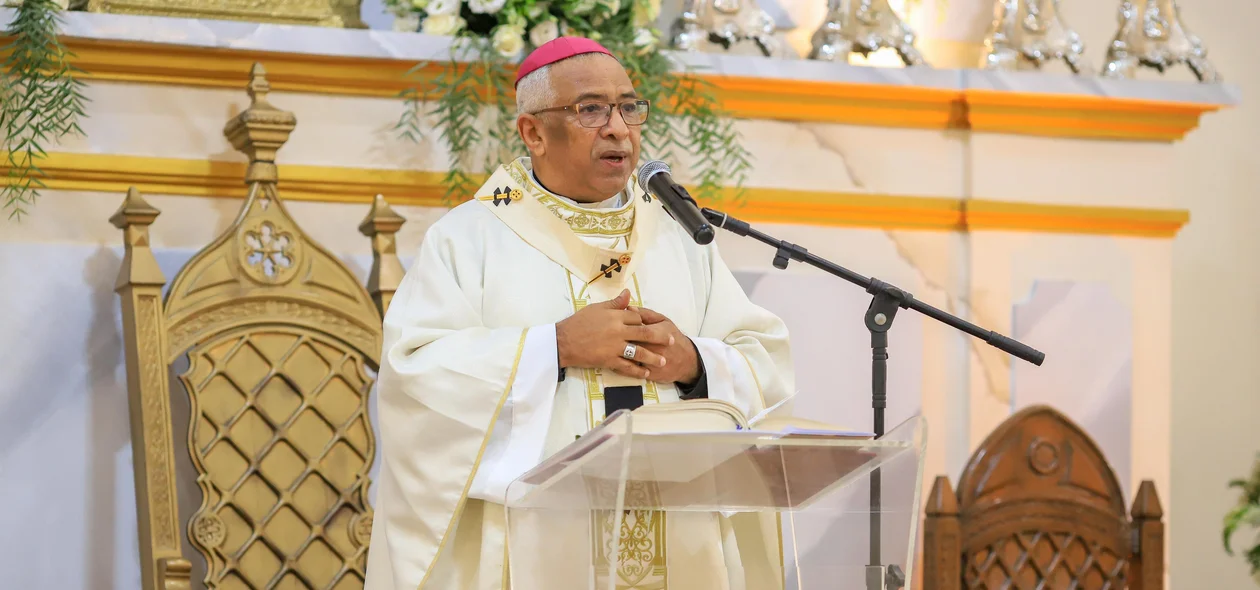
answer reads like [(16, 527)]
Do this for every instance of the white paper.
[(783, 407), (791, 430)]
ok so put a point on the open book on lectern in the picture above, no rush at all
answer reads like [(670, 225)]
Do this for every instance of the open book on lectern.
[(707, 415), (708, 451)]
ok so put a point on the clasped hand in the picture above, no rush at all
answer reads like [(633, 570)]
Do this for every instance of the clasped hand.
[(596, 338)]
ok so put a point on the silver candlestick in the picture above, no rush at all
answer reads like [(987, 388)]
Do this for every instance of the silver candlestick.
[(863, 26), (685, 34), (1151, 34), (1033, 32), (725, 24)]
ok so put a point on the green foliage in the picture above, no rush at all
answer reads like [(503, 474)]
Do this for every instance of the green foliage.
[(43, 99), (1246, 513)]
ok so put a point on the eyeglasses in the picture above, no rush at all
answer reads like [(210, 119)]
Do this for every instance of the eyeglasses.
[(597, 114)]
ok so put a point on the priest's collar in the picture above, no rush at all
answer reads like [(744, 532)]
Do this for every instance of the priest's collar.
[(611, 217), (616, 201)]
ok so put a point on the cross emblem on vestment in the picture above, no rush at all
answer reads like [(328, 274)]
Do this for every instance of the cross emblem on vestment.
[(614, 265)]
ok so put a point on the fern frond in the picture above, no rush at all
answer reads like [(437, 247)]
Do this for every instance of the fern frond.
[(43, 100)]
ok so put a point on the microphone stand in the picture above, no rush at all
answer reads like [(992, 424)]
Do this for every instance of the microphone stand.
[(887, 299)]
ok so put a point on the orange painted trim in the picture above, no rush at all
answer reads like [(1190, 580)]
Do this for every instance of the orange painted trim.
[(114, 174), (984, 215), (219, 67), (1077, 116), (834, 102), (747, 97), (769, 205), (984, 97)]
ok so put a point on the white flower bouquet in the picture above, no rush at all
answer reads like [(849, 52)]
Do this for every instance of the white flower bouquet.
[(513, 26)]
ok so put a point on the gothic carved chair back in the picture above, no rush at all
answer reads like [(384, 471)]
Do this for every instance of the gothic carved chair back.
[(274, 343), (1039, 507)]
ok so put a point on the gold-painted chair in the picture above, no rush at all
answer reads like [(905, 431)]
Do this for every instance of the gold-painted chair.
[(279, 341)]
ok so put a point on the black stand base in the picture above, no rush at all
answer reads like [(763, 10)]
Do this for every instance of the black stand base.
[(885, 578)]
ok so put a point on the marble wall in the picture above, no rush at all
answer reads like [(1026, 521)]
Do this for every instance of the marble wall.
[(1092, 374)]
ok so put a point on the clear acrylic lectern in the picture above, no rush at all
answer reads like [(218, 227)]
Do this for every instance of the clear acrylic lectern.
[(717, 511)]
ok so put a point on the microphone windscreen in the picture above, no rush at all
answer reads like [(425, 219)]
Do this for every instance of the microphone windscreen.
[(650, 169)]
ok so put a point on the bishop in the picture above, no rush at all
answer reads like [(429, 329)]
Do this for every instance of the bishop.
[(558, 293)]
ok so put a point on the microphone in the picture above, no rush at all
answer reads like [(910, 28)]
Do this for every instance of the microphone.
[(654, 179)]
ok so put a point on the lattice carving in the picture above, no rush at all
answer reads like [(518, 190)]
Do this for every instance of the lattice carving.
[(1036, 559), (1037, 507), (280, 341), (279, 337), (281, 438), (215, 317)]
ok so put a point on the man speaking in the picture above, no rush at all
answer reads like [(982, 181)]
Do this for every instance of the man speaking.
[(558, 289)]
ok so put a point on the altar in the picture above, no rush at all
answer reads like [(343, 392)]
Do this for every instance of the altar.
[(1039, 204)]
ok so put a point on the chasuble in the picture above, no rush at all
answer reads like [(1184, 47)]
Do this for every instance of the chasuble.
[(471, 395)]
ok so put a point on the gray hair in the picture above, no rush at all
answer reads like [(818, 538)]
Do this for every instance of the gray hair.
[(535, 91)]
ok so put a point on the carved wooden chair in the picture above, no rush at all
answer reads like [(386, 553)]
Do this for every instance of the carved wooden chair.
[(264, 463), (1039, 507)]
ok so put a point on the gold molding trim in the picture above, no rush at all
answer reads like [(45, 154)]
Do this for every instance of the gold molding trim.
[(325, 13), (1058, 115), (114, 174), (985, 215), (1049, 115)]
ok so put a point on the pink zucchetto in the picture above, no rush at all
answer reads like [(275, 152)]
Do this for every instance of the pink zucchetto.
[(558, 49)]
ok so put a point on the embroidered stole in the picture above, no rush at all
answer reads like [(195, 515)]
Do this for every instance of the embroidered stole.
[(596, 247)]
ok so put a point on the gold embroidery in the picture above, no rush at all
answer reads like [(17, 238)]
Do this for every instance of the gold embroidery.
[(624, 210), (641, 557), (518, 173), (610, 223), (587, 222), (649, 392), (590, 377)]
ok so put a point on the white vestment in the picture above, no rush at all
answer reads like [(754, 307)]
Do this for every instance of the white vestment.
[(469, 395)]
